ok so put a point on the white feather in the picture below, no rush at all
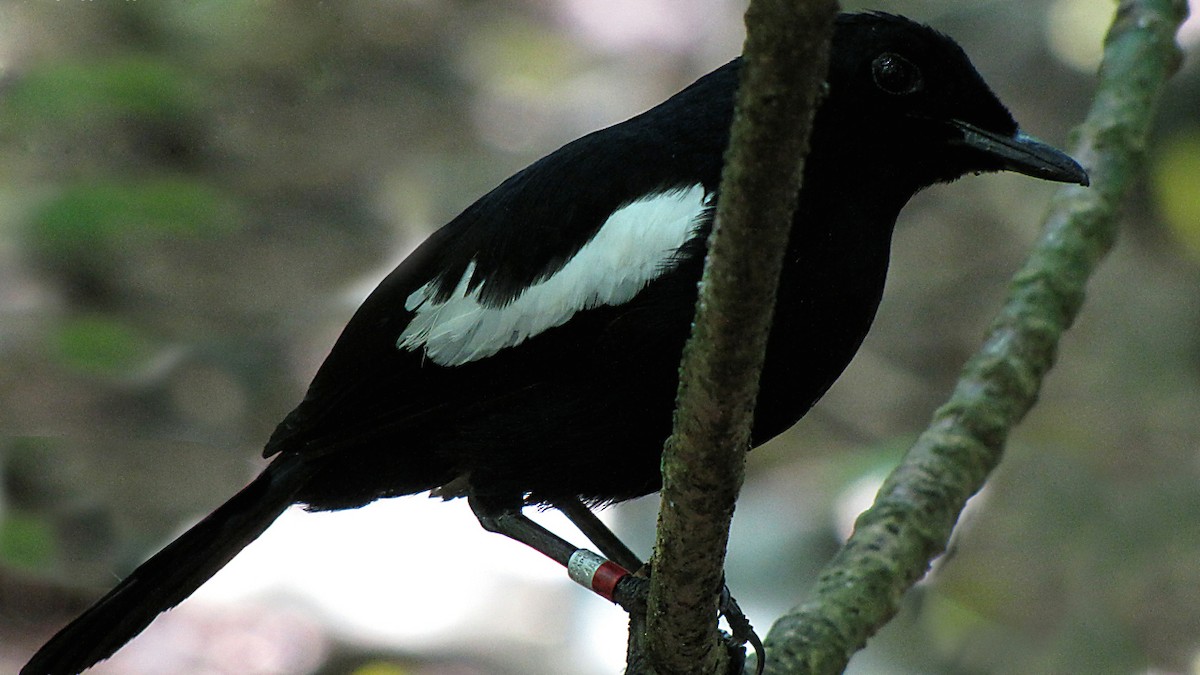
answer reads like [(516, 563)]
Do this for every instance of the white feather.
[(633, 247)]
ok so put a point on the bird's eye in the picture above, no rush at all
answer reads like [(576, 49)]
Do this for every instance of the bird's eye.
[(895, 74)]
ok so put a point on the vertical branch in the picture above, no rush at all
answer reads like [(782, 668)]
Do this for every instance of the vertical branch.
[(785, 62), (917, 507)]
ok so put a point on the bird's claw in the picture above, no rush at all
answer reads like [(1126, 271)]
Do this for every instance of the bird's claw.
[(741, 632)]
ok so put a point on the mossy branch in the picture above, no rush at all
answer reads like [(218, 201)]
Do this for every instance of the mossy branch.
[(785, 62), (916, 509)]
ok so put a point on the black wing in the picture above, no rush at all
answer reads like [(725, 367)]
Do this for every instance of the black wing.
[(523, 232)]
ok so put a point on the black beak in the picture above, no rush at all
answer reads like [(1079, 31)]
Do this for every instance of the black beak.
[(1023, 154)]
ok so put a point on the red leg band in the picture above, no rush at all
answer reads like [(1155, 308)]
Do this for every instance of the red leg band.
[(596, 573)]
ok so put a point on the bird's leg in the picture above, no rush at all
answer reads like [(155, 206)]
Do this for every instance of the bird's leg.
[(583, 566), (508, 520), (598, 533), (608, 578)]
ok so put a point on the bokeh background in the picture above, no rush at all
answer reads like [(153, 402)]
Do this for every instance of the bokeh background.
[(194, 196)]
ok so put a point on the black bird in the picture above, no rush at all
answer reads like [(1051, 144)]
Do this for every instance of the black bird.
[(526, 353)]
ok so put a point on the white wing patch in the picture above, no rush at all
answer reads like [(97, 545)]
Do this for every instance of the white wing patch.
[(631, 249)]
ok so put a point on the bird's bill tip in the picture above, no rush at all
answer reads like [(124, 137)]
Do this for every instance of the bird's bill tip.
[(1025, 154)]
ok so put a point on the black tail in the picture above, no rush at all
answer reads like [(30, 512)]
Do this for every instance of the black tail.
[(171, 575)]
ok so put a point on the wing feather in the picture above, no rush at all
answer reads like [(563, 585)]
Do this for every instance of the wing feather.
[(634, 246)]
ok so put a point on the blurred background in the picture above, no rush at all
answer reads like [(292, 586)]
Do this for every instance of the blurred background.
[(195, 196)]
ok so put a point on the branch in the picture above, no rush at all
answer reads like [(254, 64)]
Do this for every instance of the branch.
[(917, 507), (785, 62)]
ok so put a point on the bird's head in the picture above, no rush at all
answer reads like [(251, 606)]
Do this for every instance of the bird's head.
[(908, 101)]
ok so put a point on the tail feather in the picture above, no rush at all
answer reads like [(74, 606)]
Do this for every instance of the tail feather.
[(170, 576)]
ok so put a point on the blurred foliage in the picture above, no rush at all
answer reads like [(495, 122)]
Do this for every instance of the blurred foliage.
[(77, 94), (196, 195), (1176, 169), (381, 668), (26, 542), (89, 219), (100, 345)]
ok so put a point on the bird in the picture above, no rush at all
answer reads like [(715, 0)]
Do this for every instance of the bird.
[(527, 352)]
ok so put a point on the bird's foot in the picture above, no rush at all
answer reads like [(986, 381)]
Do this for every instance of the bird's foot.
[(741, 631), (632, 590)]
